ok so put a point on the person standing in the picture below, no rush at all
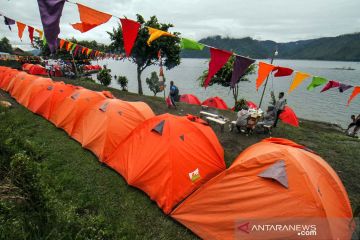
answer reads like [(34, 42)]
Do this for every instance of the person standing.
[(174, 93), (279, 107)]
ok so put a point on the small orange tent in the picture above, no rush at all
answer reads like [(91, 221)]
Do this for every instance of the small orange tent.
[(215, 102), (14, 80), (21, 85), (50, 97), (107, 123), (68, 113), (8, 76), (168, 157), (27, 67), (31, 92), (38, 70), (24, 66), (274, 182)]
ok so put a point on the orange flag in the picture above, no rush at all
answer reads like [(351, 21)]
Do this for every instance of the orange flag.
[(83, 50), (90, 18), (263, 72), (68, 47), (62, 42), (299, 78), (21, 28), (39, 32), (156, 33), (355, 92)]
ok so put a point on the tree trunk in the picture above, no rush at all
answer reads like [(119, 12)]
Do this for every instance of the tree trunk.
[(235, 91), (139, 71)]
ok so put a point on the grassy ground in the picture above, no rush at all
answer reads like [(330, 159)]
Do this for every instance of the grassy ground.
[(50, 187)]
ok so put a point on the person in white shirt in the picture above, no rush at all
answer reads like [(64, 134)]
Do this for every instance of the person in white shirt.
[(279, 107), (242, 118)]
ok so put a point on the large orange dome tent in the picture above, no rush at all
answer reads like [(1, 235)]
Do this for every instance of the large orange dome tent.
[(13, 81), (168, 157), (7, 78), (21, 85), (189, 99), (38, 70), (107, 123), (30, 93), (26, 67), (273, 182), (215, 102)]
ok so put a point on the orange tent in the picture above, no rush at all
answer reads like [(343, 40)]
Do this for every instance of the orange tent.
[(21, 85), (14, 80), (107, 123), (274, 182), (27, 67), (7, 77), (50, 97), (31, 92), (168, 157), (24, 66), (215, 102), (68, 113), (3, 71), (38, 70)]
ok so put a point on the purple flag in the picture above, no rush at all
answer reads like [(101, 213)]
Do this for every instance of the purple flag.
[(76, 50), (344, 87), (9, 21), (239, 68), (50, 12), (330, 84)]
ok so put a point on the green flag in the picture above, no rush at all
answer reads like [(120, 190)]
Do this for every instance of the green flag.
[(73, 47), (316, 81), (44, 41), (191, 44)]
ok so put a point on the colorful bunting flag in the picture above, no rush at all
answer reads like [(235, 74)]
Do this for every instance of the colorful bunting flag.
[(282, 71), (83, 50), (62, 42), (50, 12), (218, 59), (9, 22), (156, 33), (31, 34), (344, 87), (40, 33), (316, 81), (330, 84), (44, 41), (90, 18), (191, 44), (73, 47), (263, 72), (88, 51), (76, 49), (298, 79), (241, 64), (355, 92), (21, 28), (69, 45), (130, 30)]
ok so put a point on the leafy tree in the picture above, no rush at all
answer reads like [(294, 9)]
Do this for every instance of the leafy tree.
[(142, 54), (104, 77), (154, 83), (223, 77), (5, 45), (123, 82)]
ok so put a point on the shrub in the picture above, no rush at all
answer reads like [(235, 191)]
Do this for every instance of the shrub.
[(154, 83), (104, 77), (123, 82)]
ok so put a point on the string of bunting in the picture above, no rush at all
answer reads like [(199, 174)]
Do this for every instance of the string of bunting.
[(91, 18)]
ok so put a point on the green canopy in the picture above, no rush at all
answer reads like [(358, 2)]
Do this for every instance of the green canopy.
[(191, 44), (316, 81)]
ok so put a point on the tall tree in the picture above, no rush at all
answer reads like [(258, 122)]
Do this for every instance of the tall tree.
[(142, 54), (5, 45)]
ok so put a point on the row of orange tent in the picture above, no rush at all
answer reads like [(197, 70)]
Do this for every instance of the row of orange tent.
[(92, 67), (34, 69), (179, 163)]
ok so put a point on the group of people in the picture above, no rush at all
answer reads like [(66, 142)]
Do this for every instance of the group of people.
[(270, 118), (355, 123)]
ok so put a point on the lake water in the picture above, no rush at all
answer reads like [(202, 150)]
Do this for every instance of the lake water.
[(329, 106)]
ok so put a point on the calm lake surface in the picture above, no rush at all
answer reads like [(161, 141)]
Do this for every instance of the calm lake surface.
[(329, 106)]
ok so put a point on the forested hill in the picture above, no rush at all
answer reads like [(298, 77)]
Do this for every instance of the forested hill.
[(341, 48)]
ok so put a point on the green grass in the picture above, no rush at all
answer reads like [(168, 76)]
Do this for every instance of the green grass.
[(76, 197)]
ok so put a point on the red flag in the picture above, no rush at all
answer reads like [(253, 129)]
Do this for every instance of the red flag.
[(90, 18), (282, 71), (130, 30), (21, 28), (218, 59), (76, 49), (355, 92), (31, 34), (330, 84), (263, 72)]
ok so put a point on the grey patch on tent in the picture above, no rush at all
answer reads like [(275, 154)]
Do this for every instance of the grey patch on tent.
[(50, 88), (104, 107), (182, 137), (277, 172), (120, 113), (159, 128), (75, 96)]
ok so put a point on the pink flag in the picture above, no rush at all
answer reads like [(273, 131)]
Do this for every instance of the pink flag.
[(218, 59), (330, 84)]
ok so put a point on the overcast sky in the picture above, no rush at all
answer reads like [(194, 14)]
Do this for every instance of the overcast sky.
[(279, 20)]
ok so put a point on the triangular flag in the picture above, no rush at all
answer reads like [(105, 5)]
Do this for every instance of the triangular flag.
[(355, 92), (344, 87), (90, 18), (191, 44), (76, 49), (50, 12), (156, 33), (241, 64), (331, 84), (218, 59), (316, 81), (31, 34), (8, 22), (130, 30), (21, 28), (282, 71), (62, 42), (73, 46), (263, 72), (40, 33), (44, 41), (83, 50), (69, 45), (88, 51), (299, 78)]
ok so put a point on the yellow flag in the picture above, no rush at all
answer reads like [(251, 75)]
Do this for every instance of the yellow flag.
[(298, 79), (88, 51), (156, 33), (68, 47), (39, 32)]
